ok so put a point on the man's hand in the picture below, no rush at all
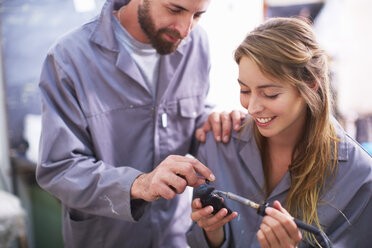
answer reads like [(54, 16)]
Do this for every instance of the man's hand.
[(221, 124), (169, 178)]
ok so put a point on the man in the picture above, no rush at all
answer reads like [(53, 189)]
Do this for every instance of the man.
[(120, 95)]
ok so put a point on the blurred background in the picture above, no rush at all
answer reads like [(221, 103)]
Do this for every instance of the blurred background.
[(29, 216)]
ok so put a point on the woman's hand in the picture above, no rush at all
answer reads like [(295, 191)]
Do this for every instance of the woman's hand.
[(212, 224), (278, 228)]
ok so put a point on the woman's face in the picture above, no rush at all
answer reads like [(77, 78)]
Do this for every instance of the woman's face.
[(277, 107)]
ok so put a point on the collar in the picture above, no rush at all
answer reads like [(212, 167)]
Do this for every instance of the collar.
[(246, 131), (343, 145)]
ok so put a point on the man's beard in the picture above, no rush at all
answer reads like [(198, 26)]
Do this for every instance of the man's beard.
[(161, 45)]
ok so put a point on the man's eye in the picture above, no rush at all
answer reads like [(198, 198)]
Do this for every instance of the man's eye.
[(174, 11), (197, 15)]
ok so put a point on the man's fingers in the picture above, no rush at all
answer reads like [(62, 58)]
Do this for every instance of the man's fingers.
[(188, 167), (164, 191), (203, 170), (201, 133), (171, 176), (221, 124), (177, 183), (188, 170), (184, 172), (237, 117), (215, 123), (226, 126)]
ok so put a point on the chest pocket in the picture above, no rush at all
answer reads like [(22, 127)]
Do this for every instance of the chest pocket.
[(189, 107), (177, 125)]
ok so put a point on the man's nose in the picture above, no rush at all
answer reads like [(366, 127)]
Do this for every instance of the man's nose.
[(185, 25)]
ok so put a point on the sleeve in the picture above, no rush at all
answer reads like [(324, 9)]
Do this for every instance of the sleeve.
[(67, 165)]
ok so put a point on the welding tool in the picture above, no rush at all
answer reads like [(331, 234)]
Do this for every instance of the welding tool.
[(261, 211)]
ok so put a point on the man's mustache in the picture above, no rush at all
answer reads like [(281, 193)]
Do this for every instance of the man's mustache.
[(172, 32)]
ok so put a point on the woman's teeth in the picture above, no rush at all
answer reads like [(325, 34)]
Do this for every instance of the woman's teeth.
[(264, 120)]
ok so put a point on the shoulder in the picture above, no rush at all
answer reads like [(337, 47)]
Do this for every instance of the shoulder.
[(349, 150), (238, 140), (75, 50), (353, 160), (199, 34), (72, 41), (197, 40)]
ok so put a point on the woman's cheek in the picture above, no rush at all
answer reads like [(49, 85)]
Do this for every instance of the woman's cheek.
[(244, 101)]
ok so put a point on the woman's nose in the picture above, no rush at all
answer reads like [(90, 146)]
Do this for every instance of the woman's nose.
[(254, 105)]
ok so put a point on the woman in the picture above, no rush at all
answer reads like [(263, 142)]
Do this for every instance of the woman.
[(291, 152)]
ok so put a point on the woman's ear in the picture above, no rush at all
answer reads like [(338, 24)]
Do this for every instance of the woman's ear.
[(314, 85)]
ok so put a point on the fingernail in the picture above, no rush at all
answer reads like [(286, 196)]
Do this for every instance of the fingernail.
[(268, 210), (212, 177), (236, 127), (225, 138), (218, 138), (209, 209)]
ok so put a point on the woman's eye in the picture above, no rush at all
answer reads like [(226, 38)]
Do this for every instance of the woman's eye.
[(271, 96), (244, 91)]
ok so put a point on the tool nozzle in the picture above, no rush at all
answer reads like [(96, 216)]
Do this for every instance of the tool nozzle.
[(238, 198)]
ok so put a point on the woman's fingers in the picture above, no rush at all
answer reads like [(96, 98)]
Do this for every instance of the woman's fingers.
[(205, 218), (278, 228)]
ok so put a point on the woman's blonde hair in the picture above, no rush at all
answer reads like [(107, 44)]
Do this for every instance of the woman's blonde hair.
[(286, 49)]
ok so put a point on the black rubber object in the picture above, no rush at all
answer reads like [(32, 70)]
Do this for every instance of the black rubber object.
[(208, 197)]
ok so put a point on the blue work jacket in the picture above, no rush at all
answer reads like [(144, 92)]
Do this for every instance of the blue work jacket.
[(345, 211), (102, 128)]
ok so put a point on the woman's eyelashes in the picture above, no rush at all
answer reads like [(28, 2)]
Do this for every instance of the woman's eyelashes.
[(270, 96)]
